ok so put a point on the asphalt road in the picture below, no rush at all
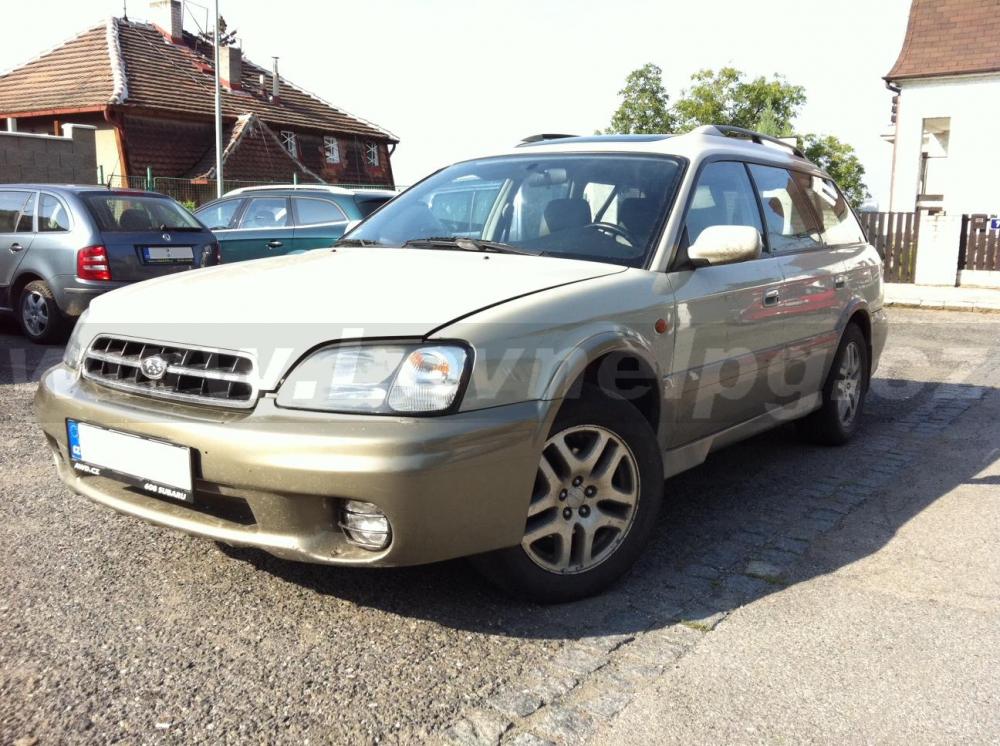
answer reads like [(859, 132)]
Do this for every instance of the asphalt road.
[(111, 629)]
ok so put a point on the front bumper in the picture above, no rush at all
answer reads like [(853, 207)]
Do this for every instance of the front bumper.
[(274, 479)]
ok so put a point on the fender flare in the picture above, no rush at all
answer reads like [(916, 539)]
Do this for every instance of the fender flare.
[(594, 347)]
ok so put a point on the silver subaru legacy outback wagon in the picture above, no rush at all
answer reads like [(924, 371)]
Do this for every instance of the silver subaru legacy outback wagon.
[(504, 362)]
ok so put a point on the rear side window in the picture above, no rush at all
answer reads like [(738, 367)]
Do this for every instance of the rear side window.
[(26, 223), (317, 211), (52, 215), (265, 212), (724, 196), (219, 216), (368, 205), (839, 224), (792, 224), (11, 205)]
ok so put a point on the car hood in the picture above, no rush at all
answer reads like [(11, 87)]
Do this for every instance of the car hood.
[(280, 308)]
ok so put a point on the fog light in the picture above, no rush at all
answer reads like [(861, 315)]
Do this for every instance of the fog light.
[(365, 525)]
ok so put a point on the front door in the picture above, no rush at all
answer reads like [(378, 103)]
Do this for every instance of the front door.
[(265, 228), (17, 210), (727, 329)]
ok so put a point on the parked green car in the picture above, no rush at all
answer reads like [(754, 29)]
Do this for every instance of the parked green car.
[(257, 222)]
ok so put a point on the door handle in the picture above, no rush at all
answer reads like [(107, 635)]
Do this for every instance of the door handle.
[(274, 244), (16, 247), (840, 281), (771, 298)]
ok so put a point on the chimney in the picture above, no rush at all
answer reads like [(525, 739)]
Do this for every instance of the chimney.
[(231, 67), (275, 82), (168, 16)]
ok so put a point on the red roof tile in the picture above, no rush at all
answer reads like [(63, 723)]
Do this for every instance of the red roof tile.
[(154, 74), (949, 37)]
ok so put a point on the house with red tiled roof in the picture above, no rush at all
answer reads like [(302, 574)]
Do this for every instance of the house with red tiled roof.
[(946, 109), (149, 89)]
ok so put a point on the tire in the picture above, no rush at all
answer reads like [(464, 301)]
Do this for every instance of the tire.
[(836, 421), (39, 317), (605, 494)]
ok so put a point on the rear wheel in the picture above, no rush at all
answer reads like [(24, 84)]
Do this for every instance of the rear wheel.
[(836, 421), (40, 319), (597, 492)]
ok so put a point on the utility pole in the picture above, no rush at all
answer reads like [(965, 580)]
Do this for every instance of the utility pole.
[(218, 108)]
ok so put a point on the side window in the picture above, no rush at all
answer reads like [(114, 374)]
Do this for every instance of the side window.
[(220, 215), (317, 211), (723, 196), (52, 215), (11, 204), (840, 227), (26, 222), (792, 224), (265, 212)]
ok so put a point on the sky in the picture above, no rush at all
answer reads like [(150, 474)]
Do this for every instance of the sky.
[(454, 79)]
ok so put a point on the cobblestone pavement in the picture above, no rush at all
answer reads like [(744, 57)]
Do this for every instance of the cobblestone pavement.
[(111, 629)]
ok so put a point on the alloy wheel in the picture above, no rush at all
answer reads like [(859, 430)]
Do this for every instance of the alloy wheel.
[(848, 386), (35, 313), (584, 502)]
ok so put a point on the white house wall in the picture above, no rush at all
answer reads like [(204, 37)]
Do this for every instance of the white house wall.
[(972, 181)]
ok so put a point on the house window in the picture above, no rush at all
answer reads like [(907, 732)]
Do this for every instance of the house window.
[(371, 153), (331, 149), (934, 162), (290, 143)]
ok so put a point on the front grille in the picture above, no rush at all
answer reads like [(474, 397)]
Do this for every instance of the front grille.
[(195, 375)]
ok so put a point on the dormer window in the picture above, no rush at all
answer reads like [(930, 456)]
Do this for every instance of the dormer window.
[(290, 143), (371, 153), (331, 149)]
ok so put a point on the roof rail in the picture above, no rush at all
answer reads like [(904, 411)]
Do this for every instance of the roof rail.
[(542, 138), (725, 130)]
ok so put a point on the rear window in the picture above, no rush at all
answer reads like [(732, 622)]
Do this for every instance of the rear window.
[(117, 213), (370, 203)]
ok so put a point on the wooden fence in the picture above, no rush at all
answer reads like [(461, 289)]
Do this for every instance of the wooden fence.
[(980, 243), (895, 235)]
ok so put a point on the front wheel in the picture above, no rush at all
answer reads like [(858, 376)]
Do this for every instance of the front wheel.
[(597, 492)]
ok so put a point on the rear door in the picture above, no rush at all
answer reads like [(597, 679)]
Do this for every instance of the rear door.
[(727, 332), (17, 209), (319, 222), (810, 299), (265, 228)]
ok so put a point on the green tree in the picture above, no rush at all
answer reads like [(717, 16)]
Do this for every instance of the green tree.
[(645, 106), (768, 124), (839, 160), (727, 97)]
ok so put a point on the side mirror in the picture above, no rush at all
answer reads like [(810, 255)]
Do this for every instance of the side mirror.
[(725, 244)]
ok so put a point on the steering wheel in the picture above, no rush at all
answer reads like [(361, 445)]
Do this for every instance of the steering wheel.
[(614, 230)]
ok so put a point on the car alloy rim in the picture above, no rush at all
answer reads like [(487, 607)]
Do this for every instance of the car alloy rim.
[(35, 313), (584, 501), (848, 385)]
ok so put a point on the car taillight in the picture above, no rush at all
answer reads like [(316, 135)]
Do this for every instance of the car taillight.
[(92, 263)]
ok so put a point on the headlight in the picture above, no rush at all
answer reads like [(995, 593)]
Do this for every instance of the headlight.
[(73, 354), (380, 379)]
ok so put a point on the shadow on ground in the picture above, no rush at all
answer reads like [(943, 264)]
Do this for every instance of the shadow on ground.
[(763, 500)]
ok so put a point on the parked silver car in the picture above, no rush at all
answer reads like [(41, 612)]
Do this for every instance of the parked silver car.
[(615, 309), (62, 246)]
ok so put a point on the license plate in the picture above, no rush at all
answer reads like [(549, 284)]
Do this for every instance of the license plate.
[(158, 468), (168, 254)]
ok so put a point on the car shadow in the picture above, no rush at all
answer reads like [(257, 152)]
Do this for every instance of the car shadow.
[(22, 361), (762, 500)]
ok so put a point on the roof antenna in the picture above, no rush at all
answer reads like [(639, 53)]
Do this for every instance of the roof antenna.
[(124, 10)]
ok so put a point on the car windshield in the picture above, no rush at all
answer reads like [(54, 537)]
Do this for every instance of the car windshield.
[(118, 213), (606, 208)]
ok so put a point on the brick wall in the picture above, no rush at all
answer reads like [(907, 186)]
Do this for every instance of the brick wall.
[(69, 159)]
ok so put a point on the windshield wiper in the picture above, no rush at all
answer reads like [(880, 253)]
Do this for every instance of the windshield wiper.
[(356, 242), (469, 244)]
